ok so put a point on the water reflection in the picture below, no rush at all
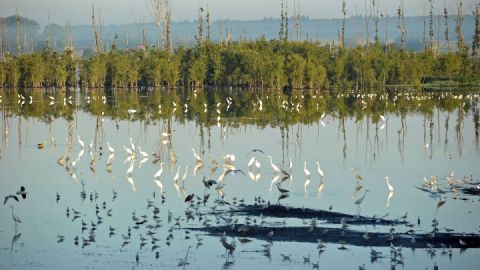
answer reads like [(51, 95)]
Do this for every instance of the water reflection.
[(122, 140)]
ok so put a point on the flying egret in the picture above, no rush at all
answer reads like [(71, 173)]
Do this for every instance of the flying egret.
[(274, 167)]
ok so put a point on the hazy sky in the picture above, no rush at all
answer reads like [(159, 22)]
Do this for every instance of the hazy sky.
[(124, 11)]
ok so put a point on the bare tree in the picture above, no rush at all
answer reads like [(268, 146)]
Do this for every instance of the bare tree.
[(401, 25), (297, 12), (447, 39), (344, 12), (161, 11), (95, 32), (17, 27), (458, 27)]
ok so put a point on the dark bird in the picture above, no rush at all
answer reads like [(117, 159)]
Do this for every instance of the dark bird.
[(189, 197), (256, 150), (10, 197), (208, 183), (228, 247), (22, 192), (234, 172)]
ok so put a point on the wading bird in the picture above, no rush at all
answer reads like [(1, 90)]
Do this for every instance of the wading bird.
[(359, 201), (274, 167)]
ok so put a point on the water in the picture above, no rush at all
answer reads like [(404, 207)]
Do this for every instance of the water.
[(350, 139)]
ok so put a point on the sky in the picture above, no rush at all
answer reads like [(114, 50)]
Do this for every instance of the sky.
[(128, 11)]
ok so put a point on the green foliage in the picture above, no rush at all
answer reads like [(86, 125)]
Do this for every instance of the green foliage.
[(271, 64)]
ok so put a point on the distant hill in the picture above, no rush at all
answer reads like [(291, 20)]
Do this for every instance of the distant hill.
[(183, 32)]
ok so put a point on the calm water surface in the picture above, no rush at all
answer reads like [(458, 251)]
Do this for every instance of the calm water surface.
[(423, 135)]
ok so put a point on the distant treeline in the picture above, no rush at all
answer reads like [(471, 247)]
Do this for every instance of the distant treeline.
[(269, 64)]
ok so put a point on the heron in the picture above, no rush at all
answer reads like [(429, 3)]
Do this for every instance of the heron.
[(131, 144), (281, 189), (228, 247), (390, 187), (110, 148), (305, 170), (80, 142), (198, 159), (129, 151), (159, 172), (184, 177), (307, 182), (175, 178), (274, 167), (15, 218), (144, 154), (359, 201), (130, 169)]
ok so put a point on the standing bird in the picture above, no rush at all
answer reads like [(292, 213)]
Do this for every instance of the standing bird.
[(175, 178), (130, 169), (81, 142), (15, 218), (198, 159), (189, 198), (110, 148), (144, 154), (281, 189), (274, 167), (321, 185), (390, 187), (159, 172), (359, 201), (306, 171), (184, 177), (228, 247)]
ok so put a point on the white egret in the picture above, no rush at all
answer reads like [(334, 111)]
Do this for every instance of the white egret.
[(110, 148), (197, 157), (320, 172), (159, 172), (130, 169), (306, 183), (274, 167), (305, 170), (80, 142), (390, 187), (144, 154), (184, 177), (131, 144), (129, 151), (175, 178)]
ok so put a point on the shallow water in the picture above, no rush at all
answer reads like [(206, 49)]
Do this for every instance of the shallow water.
[(350, 135)]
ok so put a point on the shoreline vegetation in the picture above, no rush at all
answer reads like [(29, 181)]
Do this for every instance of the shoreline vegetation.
[(270, 64)]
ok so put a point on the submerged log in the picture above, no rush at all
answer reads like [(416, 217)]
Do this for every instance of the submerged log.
[(346, 236), (281, 211)]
